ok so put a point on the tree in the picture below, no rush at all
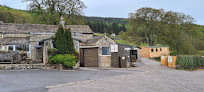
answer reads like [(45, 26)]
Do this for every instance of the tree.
[(63, 41), (60, 40), (178, 32), (51, 10), (69, 42), (146, 23)]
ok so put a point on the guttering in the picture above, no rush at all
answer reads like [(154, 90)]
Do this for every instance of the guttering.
[(41, 33)]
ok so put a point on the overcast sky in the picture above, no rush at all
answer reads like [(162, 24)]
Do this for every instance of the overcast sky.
[(121, 8)]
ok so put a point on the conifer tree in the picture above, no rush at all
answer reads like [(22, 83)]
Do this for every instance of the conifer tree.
[(69, 42), (63, 41), (60, 39)]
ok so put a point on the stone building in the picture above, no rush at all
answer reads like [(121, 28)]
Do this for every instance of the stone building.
[(105, 52), (26, 37)]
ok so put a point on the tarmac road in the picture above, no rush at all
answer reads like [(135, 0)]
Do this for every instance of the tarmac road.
[(37, 80), (156, 78)]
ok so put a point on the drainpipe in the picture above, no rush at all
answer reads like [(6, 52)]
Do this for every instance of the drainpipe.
[(3, 34)]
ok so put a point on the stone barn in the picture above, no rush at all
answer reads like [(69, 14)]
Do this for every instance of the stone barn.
[(96, 52), (154, 51), (105, 52)]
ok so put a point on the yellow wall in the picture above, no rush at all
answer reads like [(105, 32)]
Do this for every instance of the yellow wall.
[(146, 52)]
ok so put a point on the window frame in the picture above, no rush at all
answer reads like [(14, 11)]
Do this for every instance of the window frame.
[(14, 47), (107, 51)]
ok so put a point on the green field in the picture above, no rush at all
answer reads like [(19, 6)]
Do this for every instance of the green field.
[(98, 34)]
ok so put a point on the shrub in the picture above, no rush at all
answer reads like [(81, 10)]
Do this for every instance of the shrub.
[(77, 57), (190, 62), (157, 58), (52, 52), (173, 53), (67, 60), (201, 53)]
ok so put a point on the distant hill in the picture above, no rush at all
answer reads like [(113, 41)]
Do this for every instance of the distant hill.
[(9, 15), (107, 24), (97, 24)]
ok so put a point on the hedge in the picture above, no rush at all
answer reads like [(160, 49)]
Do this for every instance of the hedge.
[(190, 62)]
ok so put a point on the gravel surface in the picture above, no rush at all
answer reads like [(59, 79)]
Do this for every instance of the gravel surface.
[(156, 78)]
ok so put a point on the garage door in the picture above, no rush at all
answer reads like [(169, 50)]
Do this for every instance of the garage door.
[(91, 57)]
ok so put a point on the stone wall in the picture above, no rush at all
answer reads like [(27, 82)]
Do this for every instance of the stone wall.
[(26, 66), (105, 61)]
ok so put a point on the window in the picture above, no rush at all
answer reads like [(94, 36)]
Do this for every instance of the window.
[(152, 50), (156, 50), (134, 52), (11, 48), (160, 49), (105, 50), (22, 48)]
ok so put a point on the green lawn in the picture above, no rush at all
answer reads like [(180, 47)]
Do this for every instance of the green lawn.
[(98, 34)]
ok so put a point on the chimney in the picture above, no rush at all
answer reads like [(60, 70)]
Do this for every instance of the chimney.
[(62, 21)]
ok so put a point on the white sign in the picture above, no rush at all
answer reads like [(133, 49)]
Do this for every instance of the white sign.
[(170, 59), (127, 49), (114, 47), (162, 57), (123, 57)]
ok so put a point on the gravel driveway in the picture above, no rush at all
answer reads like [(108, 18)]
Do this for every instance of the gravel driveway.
[(156, 78)]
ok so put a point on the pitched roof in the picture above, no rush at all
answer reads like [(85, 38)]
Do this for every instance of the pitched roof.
[(129, 46), (41, 28), (94, 40), (156, 46)]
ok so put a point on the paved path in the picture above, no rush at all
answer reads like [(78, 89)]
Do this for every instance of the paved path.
[(156, 78)]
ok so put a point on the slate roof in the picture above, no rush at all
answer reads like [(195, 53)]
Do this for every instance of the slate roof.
[(129, 46), (94, 40), (41, 28)]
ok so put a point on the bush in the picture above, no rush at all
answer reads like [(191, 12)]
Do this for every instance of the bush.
[(201, 53), (173, 53), (52, 52), (190, 62), (67, 60), (77, 57), (157, 58)]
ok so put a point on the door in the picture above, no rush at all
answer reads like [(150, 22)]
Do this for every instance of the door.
[(39, 55), (90, 57)]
